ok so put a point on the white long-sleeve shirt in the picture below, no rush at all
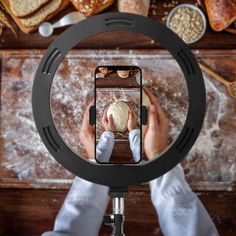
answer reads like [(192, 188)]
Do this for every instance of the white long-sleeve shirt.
[(179, 210)]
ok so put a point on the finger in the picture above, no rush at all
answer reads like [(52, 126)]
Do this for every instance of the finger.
[(151, 96), (91, 103), (85, 122), (130, 107), (134, 115), (86, 127), (129, 114), (104, 117), (152, 118), (86, 114), (129, 118), (110, 121), (160, 113), (131, 111), (162, 118)]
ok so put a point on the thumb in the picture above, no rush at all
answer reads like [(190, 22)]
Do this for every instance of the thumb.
[(110, 122), (152, 119), (130, 115), (110, 119)]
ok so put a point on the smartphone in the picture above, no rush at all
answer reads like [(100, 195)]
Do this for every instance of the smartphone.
[(118, 96)]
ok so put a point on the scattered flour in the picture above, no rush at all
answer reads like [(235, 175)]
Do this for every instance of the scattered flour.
[(24, 155)]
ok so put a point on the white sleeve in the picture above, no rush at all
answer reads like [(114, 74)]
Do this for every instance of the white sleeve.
[(82, 211), (134, 140), (84, 207), (105, 146), (179, 210)]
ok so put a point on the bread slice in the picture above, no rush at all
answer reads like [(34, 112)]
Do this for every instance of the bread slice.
[(23, 8), (91, 7), (42, 14)]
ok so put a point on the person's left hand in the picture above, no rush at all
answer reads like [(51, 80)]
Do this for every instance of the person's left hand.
[(86, 134), (107, 122), (132, 120)]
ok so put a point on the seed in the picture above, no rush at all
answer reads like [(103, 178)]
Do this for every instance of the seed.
[(187, 23)]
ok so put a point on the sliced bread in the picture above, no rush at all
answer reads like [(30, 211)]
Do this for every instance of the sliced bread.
[(42, 14), (91, 7), (23, 8)]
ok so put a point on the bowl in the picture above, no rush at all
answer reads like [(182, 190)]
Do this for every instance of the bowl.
[(191, 6)]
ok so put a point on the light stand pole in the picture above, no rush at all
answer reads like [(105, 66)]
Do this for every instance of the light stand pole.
[(116, 219)]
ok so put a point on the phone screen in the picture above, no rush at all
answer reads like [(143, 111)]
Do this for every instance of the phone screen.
[(118, 108)]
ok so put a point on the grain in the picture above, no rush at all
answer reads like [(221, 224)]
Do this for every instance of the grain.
[(168, 5), (187, 23), (154, 8)]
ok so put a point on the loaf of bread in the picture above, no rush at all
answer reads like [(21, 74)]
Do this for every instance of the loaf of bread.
[(221, 13), (140, 7), (91, 7), (23, 8), (42, 14)]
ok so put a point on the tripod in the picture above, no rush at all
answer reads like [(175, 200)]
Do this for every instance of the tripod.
[(116, 219)]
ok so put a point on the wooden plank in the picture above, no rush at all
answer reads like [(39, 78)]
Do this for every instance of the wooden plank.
[(65, 185), (200, 175), (31, 212), (114, 81), (113, 40)]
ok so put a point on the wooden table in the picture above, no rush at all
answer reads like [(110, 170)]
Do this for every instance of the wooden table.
[(27, 209), (212, 40)]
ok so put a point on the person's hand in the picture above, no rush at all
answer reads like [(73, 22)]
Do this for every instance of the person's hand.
[(86, 134), (156, 137), (132, 120), (107, 122)]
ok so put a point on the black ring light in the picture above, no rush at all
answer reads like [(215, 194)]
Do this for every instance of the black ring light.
[(115, 175)]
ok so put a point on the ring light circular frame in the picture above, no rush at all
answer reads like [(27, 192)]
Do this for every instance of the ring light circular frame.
[(116, 175)]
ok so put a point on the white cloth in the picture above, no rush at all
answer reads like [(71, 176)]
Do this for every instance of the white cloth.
[(106, 143), (134, 142), (82, 211), (179, 209), (105, 146)]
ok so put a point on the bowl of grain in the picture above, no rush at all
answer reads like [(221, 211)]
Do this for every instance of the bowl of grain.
[(188, 22)]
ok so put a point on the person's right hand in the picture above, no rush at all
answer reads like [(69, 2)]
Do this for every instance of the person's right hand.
[(108, 122), (132, 120), (156, 137)]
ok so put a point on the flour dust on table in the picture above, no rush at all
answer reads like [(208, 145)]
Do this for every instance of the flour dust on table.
[(24, 157)]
